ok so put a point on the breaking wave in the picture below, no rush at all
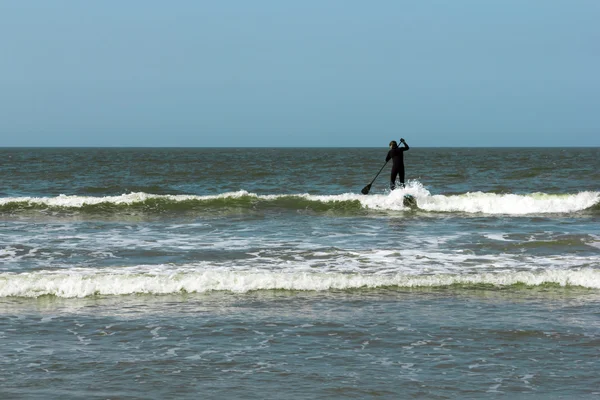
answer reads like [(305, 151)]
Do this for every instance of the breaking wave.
[(79, 283), (471, 202)]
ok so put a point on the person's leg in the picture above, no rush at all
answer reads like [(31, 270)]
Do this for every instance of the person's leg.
[(401, 173), (393, 179)]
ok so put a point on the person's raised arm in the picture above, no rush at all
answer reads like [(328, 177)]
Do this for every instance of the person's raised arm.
[(405, 144)]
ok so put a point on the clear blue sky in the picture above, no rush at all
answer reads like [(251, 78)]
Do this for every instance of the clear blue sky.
[(299, 73)]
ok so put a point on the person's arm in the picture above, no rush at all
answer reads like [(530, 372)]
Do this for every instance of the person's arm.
[(388, 156), (405, 144)]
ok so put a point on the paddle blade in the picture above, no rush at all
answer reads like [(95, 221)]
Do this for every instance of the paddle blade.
[(366, 189)]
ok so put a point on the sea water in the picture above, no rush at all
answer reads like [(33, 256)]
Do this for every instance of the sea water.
[(265, 273)]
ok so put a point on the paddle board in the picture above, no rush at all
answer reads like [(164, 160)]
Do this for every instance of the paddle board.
[(409, 201)]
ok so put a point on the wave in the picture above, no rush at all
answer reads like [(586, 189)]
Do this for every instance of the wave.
[(471, 202), (79, 283)]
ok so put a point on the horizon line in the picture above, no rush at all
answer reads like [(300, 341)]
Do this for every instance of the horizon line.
[(294, 147)]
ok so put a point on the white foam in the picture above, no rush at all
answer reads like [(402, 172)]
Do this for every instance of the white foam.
[(596, 242), (9, 253), (492, 203), (89, 282), (497, 236)]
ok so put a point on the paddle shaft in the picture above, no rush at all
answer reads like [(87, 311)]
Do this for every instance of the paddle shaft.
[(378, 173), (368, 187)]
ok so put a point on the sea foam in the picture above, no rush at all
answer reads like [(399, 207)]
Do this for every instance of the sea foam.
[(79, 283)]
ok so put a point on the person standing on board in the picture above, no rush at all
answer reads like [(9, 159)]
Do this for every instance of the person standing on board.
[(397, 155)]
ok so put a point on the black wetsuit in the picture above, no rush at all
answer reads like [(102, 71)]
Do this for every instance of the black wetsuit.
[(397, 155)]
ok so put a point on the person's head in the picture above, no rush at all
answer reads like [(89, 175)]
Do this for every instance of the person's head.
[(393, 144)]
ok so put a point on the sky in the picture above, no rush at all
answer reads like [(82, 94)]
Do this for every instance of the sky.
[(310, 73)]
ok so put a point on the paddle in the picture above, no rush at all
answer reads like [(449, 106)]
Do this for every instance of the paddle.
[(368, 187)]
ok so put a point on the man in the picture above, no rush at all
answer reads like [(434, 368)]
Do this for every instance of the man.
[(397, 155)]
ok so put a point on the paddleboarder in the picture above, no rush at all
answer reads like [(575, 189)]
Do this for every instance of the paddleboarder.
[(396, 154)]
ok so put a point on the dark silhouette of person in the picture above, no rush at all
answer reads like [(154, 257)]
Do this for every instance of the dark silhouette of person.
[(397, 155)]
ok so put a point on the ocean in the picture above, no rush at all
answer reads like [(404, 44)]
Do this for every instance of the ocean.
[(264, 273)]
